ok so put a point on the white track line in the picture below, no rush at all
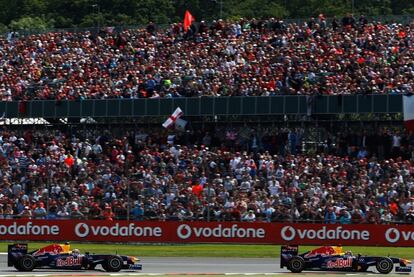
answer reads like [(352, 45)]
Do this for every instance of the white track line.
[(144, 274)]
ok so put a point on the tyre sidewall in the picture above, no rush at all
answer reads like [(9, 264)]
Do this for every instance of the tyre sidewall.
[(114, 263), (384, 265), (296, 264), (26, 263)]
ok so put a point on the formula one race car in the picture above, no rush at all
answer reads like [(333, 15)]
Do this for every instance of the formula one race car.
[(332, 258), (59, 256)]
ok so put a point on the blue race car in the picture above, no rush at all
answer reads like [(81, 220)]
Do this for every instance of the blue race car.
[(332, 258), (59, 256)]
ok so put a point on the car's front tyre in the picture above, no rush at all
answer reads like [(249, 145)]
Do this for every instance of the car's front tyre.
[(296, 264), (384, 265), (113, 264)]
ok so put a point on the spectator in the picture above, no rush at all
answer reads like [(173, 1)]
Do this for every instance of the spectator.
[(170, 184), (344, 217), (39, 212), (311, 58), (76, 214), (26, 213), (249, 216), (330, 215), (137, 212)]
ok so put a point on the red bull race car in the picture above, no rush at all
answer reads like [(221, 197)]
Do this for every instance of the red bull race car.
[(333, 258), (59, 256)]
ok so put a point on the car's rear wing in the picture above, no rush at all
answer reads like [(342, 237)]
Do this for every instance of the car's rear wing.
[(14, 251), (286, 253)]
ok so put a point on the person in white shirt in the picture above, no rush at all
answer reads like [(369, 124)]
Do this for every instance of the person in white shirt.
[(249, 217), (396, 144), (274, 186)]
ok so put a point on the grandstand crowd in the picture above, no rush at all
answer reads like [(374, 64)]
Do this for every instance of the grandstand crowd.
[(229, 175), (237, 58)]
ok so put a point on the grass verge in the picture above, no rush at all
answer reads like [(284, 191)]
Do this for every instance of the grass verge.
[(214, 250)]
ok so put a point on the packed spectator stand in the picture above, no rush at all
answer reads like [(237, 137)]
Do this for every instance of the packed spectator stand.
[(223, 174), (230, 175), (240, 58)]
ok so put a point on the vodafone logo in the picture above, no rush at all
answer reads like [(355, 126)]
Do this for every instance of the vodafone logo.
[(185, 231), (289, 233), (393, 235), (83, 230)]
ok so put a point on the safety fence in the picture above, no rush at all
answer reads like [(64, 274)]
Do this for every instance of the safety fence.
[(206, 106)]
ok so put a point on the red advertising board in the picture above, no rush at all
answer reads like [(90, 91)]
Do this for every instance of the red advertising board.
[(200, 232)]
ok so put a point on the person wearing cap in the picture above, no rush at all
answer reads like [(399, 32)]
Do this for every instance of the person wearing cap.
[(26, 213)]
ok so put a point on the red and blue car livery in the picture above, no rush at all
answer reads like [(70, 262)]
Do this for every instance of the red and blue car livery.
[(333, 258), (59, 256)]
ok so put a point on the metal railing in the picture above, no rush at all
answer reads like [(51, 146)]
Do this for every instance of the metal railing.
[(205, 106), (260, 218)]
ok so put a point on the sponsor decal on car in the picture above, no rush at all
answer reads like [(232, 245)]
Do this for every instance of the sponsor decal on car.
[(69, 261), (289, 248), (52, 249), (403, 269), (322, 251), (339, 263)]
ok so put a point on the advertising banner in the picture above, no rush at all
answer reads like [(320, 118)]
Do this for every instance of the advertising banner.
[(205, 232)]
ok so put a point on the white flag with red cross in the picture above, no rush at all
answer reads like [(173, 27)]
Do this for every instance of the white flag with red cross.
[(172, 120)]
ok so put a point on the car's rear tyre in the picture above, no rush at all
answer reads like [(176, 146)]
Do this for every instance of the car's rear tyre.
[(16, 266), (26, 263), (296, 264), (384, 265), (113, 264)]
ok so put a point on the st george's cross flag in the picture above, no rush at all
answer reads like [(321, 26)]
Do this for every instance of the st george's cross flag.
[(172, 120)]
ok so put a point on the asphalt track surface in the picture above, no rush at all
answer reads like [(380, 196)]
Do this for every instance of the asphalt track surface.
[(175, 266)]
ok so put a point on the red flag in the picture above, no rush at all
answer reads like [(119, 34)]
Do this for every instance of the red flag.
[(188, 19)]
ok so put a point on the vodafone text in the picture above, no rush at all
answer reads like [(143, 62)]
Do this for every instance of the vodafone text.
[(289, 233), (29, 228), (83, 230), (185, 231)]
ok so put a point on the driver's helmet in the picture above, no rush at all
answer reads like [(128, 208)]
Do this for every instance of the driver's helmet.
[(75, 252), (348, 253)]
